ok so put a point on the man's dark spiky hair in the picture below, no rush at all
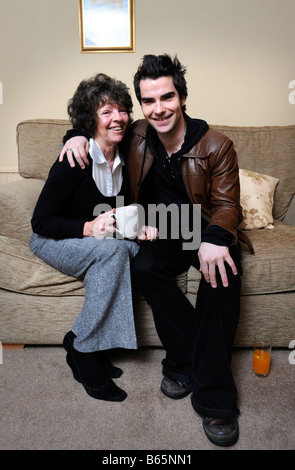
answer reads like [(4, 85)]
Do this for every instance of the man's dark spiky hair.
[(154, 67)]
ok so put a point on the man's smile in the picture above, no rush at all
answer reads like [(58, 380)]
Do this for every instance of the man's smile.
[(162, 119)]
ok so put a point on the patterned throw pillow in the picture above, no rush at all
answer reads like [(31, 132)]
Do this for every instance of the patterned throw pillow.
[(257, 197)]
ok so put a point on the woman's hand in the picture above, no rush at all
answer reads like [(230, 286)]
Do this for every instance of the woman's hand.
[(77, 147), (100, 227), (148, 233)]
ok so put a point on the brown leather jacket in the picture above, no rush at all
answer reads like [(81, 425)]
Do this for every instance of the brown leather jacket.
[(209, 170)]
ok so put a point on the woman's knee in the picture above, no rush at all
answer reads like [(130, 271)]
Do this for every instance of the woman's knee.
[(119, 250)]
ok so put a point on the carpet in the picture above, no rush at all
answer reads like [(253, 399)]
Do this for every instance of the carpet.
[(43, 408)]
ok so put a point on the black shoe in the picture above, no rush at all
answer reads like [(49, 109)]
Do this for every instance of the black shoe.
[(221, 432), (112, 371), (87, 370), (175, 389)]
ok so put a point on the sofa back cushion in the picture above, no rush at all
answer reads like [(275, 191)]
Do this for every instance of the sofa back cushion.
[(269, 150), (38, 144)]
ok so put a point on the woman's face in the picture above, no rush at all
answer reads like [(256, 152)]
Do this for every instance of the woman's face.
[(111, 124)]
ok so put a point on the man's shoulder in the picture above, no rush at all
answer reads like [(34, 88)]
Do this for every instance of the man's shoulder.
[(215, 135), (213, 140), (138, 128)]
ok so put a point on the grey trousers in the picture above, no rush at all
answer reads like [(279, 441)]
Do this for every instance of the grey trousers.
[(106, 320)]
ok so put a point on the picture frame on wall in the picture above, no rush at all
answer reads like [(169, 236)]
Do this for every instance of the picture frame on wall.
[(107, 26)]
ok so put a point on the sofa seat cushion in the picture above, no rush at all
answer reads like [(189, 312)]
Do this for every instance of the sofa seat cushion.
[(23, 272), (271, 269)]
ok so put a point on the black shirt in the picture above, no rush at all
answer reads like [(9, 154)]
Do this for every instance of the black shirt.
[(68, 200)]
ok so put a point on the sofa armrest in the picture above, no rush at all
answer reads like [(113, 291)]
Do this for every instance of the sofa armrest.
[(290, 214), (18, 200)]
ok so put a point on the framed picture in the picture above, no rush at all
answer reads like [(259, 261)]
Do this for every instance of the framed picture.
[(107, 25)]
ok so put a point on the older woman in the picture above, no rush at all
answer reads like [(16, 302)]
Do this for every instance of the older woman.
[(67, 236)]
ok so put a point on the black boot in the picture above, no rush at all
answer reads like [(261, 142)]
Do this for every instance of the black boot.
[(112, 371), (88, 370)]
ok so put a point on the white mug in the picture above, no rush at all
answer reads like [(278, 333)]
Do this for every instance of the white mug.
[(127, 221)]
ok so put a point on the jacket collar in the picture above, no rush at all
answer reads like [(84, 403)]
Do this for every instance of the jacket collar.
[(196, 129)]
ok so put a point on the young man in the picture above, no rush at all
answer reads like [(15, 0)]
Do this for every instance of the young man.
[(173, 159)]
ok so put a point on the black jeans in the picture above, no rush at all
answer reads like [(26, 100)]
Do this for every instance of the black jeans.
[(198, 341)]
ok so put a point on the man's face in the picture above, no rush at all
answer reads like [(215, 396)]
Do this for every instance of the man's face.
[(161, 104)]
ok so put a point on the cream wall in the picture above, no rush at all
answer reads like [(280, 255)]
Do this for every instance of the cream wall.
[(239, 56)]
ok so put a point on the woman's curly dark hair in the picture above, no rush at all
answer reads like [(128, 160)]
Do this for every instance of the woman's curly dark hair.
[(93, 93)]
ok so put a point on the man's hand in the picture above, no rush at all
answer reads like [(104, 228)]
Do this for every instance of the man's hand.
[(148, 233), (77, 147), (212, 256)]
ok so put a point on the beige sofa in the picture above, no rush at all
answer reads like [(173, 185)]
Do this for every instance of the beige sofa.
[(38, 304)]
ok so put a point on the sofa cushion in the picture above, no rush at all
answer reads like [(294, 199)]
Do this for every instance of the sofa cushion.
[(271, 269), (23, 272), (257, 196), (269, 150), (18, 200), (39, 143)]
